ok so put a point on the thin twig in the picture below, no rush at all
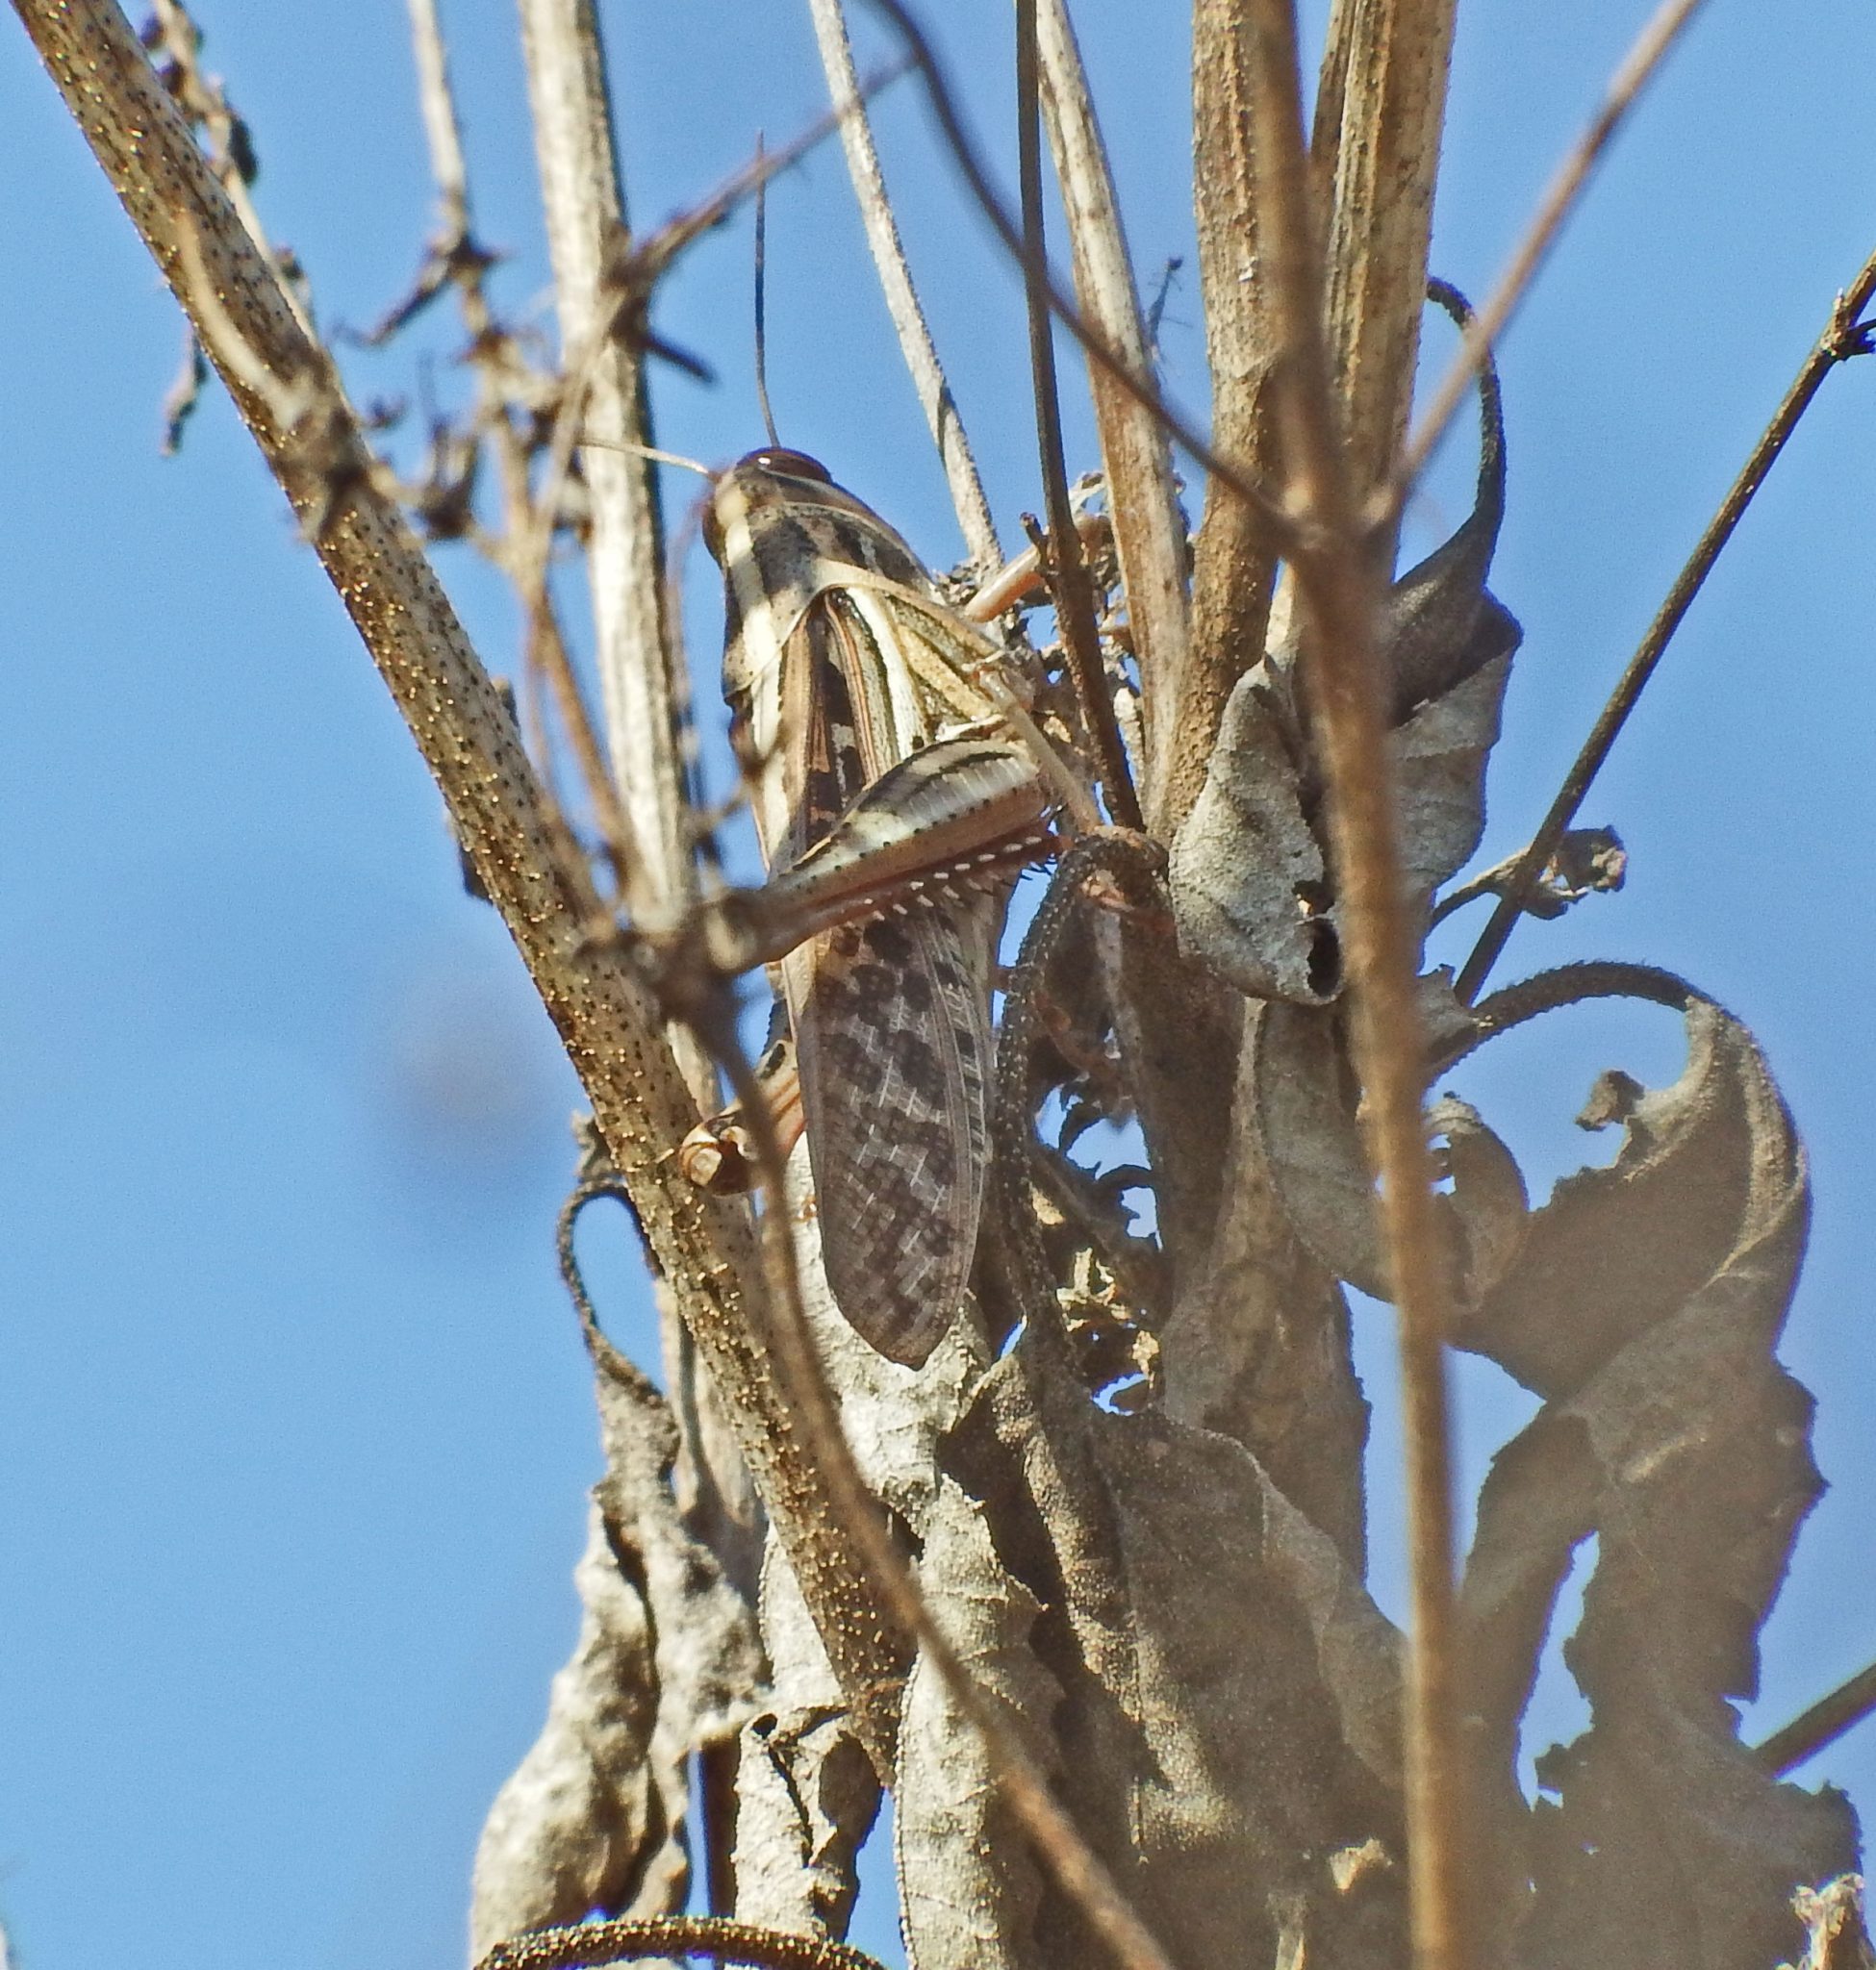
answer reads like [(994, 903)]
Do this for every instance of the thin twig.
[(1823, 1724), (454, 259), (761, 299), (1343, 684), (889, 262), (1136, 460), (1639, 66), (584, 207), (437, 103), (1074, 596), (1845, 335)]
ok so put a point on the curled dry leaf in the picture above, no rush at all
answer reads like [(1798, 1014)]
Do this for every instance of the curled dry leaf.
[(573, 1825), (667, 1663), (972, 1894), (1248, 878), (1305, 1099), (1251, 891), (1644, 1307), (1134, 1589)]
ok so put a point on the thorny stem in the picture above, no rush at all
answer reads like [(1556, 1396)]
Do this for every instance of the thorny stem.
[(633, 1938), (1639, 66), (1824, 1723), (1846, 335), (1071, 593), (1342, 678)]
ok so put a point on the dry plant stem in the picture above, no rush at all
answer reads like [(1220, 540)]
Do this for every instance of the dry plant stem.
[(1338, 587), (1235, 555), (1142, 497), (1072, 592), (606, 1015), (1824, 1723), (585, 217), (1844, 335), (630, 1939), (438, 107), (183, 42), (1238, 476), (1389, 65), (548, 656), (889, 262), (1060, 1847), (1637, 68)]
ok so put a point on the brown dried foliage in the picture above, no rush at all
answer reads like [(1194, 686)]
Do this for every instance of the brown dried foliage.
[(1105, 1635)]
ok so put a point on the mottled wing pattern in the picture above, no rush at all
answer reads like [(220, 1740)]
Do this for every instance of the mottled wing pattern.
[(894, 1041)]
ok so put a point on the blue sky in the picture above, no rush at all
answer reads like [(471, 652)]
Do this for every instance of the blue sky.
[(294, 1422)]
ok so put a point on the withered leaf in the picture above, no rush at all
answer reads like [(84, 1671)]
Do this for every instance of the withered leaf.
[(1305, 1101), (807, 1791), (1644, 1306), (667, 1661), (1181, 1679), (1248, 878)]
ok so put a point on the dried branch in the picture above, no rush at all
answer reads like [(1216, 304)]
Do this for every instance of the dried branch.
[(1821, 1725), (454, 259), (1140, 386), (889, 262), (1376, 146), (1845, 335), (606, 1014), (1637, 69), (438, 107), (1068, 570), (1235, 555), (1136, 461), (1336, 578), (586, 235)]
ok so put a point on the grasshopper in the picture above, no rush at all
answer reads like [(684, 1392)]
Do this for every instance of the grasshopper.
[(893, 800)]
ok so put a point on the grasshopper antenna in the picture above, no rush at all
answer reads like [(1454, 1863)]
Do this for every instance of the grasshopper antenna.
[(761, 298)]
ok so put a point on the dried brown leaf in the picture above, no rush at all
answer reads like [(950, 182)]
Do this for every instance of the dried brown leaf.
[(572, 1827), (1249, 880), (667, 1663), (1305, 1102), (1645, 1306), (1196, 1740)]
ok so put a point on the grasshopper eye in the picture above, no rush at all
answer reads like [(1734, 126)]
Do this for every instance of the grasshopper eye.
[(791, 465)]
